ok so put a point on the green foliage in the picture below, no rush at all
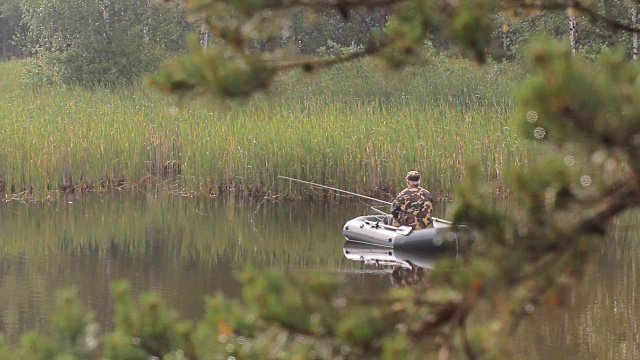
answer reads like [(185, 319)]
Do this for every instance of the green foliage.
[(311, 32), (362, 326), (121, 59), (91, 42), (407, 31), (333, 49), (319, 321), (74, 336), (518, 31), (599, 102), (292, 304), (472, 28), (147, 330), (397, 35), (215, 72)]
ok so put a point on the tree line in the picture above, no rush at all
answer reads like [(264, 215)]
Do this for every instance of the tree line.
[(99, 41)]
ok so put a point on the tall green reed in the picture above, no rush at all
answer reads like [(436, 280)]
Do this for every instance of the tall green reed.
[(350, 127)]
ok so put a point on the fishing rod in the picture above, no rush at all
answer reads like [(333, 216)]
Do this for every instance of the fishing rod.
[(334, 189), (354, 194)]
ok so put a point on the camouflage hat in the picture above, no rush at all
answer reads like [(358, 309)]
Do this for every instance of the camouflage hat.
[(413, 176)]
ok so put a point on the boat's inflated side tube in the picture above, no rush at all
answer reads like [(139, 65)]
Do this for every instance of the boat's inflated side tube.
[(372, 230)]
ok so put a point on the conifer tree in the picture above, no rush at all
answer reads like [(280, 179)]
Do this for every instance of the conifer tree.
[(583, 119), (580, 116)]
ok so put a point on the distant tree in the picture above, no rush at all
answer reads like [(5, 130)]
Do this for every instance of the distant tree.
[(603, 25), (573, 30), (592, 35), (10, 17), (310, 33), (88, 42), (233, 69)]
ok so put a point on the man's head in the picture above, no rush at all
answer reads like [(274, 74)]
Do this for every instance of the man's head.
[(413, 178)]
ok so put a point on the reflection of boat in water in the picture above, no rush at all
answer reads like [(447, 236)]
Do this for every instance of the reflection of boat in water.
[(372, 230), (408, 268), (384, 256)]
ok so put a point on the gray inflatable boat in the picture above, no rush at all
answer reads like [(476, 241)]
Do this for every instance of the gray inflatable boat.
[(372, 230)]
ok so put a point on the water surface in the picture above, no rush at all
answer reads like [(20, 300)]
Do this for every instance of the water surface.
[(187, 249), (183, 248)]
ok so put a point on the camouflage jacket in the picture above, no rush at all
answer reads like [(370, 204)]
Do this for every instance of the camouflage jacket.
[(412, 207)]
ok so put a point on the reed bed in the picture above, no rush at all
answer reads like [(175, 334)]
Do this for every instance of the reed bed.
[(351, 127)]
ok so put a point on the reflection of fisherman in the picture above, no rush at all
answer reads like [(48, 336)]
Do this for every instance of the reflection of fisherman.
[(412, 207), (402, 276)]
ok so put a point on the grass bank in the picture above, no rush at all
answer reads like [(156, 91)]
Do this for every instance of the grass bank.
[(349, 127)]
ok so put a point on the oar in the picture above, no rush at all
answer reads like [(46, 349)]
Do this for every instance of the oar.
[(354, 194)]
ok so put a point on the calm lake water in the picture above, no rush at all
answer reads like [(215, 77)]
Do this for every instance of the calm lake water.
[(186, 249)]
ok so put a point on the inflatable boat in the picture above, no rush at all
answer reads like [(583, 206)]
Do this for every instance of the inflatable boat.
[(372, 230)]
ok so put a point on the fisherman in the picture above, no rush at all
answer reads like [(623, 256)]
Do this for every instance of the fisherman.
[(412, 207)]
